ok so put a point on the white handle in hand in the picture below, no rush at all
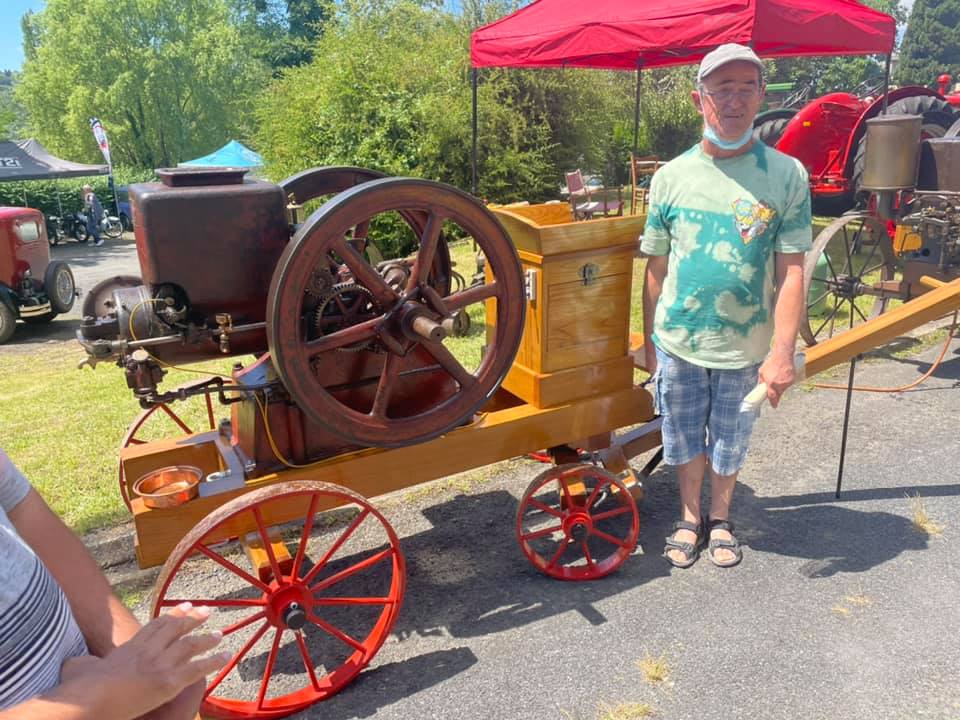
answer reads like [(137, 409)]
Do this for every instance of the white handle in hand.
[(754, 399)]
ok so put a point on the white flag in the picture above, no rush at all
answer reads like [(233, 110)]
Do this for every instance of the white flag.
[(101, 136)]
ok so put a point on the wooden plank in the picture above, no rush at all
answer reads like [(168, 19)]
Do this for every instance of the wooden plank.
[(883, 329), (491, 438), (536, 229), (586, 323), (543, 390)]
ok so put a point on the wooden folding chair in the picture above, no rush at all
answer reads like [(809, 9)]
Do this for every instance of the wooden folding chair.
[(642, 170), (583, 202)]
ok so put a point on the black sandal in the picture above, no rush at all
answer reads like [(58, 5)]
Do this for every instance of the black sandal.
[(691, 550), (733, 545)]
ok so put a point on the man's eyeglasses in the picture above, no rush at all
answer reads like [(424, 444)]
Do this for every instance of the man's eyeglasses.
[(725, 96)]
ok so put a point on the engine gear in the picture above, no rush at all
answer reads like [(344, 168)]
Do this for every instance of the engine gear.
[(346, 304)]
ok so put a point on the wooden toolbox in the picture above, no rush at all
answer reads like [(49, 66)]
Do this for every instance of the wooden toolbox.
[(579, 275)]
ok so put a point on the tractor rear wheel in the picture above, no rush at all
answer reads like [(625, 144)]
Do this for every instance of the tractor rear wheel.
[(938, 118), (770, 130)]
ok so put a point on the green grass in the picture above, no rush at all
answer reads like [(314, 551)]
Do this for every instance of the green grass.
[(63, 426)]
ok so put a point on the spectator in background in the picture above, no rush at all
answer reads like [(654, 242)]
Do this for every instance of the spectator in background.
[(94, 212)]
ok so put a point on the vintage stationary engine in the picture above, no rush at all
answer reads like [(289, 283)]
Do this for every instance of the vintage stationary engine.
[(349, 349)]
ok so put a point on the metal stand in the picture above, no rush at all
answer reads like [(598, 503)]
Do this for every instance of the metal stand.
[(846, 423)]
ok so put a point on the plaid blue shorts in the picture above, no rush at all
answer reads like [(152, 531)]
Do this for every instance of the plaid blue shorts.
[(701, 412)]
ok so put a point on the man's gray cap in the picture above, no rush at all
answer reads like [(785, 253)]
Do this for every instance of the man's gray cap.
[(726, 54)]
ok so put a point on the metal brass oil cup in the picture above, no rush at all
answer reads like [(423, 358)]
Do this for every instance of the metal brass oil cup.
[(168, 486)]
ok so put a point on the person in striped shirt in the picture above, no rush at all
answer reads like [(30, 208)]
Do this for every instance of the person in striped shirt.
[(69, 649)]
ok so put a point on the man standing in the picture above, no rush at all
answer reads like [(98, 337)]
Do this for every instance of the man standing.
[(94, 212), (729, 222)]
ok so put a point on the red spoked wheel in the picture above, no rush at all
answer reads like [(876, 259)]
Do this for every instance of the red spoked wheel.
[(577, 522), (305, 632), (193, 415)]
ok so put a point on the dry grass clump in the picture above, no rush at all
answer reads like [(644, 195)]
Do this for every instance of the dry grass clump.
[(921, 521), (655, 670), (624, 711)]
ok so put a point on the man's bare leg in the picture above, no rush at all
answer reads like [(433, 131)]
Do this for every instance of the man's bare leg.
[(721, 495), (690, 480)]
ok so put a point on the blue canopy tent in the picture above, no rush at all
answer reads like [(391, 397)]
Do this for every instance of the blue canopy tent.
[(233, 154)]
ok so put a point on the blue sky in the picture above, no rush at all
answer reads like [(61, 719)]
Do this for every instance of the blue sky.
[(11, 43)]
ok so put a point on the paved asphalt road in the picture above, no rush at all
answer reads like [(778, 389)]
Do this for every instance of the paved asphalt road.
[(841, 609)]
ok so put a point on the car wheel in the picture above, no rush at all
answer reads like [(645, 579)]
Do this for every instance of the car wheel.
[(8, 322), (60, 286), (125, 221)]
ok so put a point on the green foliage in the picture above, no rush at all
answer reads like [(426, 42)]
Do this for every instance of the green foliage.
[(389, 89), (169, 79), (50, 196), (12, 114), (931, 45), (282, 32)]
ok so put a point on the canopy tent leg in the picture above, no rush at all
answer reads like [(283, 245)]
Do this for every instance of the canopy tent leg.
[(473, 154), (886, 84), (636, 114)]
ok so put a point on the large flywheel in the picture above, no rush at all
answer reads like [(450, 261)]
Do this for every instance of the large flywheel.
[(363, 348)]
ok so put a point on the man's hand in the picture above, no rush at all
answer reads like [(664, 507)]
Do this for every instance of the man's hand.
[(159, 672), (779, 373)]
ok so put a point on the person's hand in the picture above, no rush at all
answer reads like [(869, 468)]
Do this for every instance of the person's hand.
[(157, 671), (779, 373)]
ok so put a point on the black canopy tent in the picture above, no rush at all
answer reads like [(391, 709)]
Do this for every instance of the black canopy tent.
[(29, 160)]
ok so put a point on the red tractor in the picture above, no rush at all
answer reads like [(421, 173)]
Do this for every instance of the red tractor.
[(827, 134)]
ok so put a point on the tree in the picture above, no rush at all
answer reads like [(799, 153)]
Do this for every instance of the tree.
[(169, 79), (931, 45), (12, 114), (283, 31)]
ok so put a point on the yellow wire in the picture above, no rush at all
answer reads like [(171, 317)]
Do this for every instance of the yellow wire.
[(153, 357), (273, 445)]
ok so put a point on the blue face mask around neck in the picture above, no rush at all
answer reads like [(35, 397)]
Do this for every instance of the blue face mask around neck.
[(710, 134)]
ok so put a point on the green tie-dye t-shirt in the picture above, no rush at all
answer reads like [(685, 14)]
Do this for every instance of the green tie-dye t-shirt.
[(721, 220)]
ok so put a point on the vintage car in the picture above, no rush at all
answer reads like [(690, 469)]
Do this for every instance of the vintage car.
[(32, 287)]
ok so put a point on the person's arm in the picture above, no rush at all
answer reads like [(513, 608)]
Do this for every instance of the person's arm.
[(105, 622), (778, 370), (655, 246), (102, 618), (139, 679), (653, 277)]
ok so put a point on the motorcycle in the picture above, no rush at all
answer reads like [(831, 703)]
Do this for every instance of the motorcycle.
[(110, 226), (54, 229)]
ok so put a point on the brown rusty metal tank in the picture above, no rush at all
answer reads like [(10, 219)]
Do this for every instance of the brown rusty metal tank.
[(214, 237), (940, 165)]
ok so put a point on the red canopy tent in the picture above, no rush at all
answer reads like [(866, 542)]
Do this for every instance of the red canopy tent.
[(636, 34)]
